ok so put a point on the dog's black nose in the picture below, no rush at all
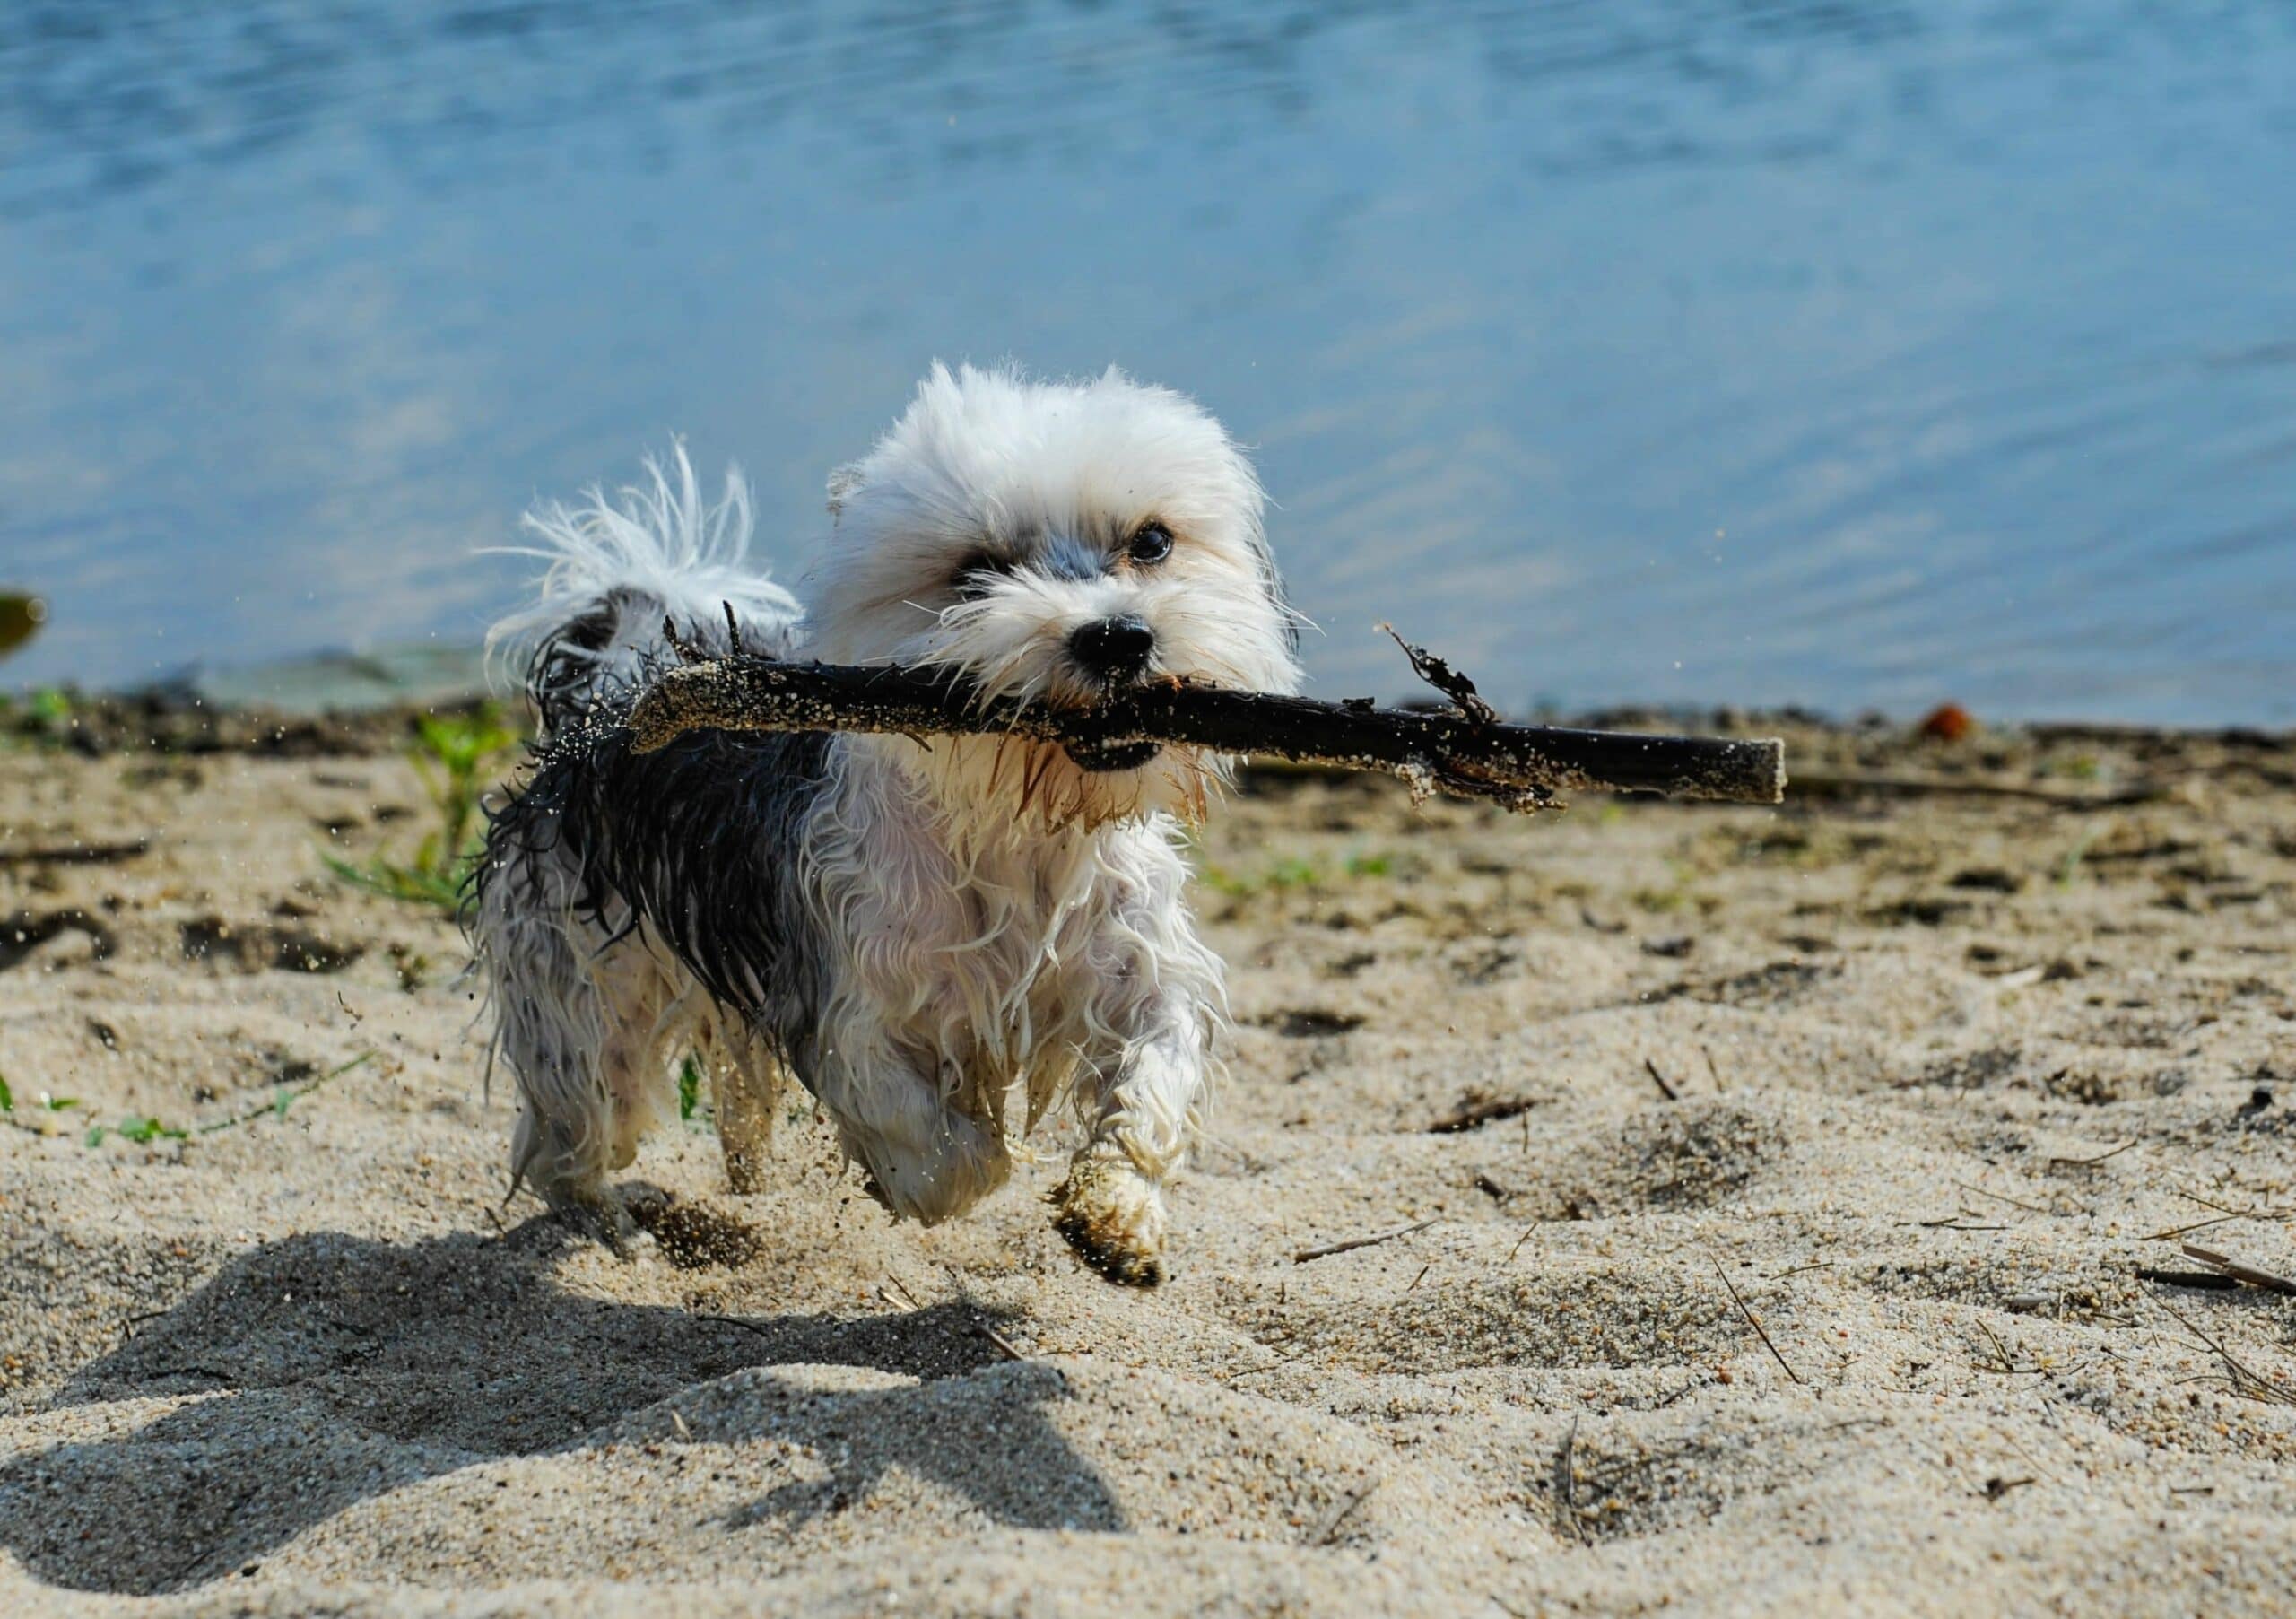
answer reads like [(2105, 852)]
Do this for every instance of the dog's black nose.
[(1114, 648)]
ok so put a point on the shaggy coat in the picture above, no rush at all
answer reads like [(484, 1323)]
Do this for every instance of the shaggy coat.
[(939, 942)]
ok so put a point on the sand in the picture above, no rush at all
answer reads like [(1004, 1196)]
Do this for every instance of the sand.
[(1912, 1080)]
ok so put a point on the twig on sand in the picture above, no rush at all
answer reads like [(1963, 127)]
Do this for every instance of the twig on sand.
[(127, 1326), (1348, 1246), (748, 1327), (75, 854), (1005, 1345), (1566, 1487), (1278, 1365), (286, 1096), (2275, 1214), (893, 1292), (1754, 1321), (1477, 1112), (1998, 1197), (2175, 1232), (2208, 1280), (1517, 766), (281, 1099), (2086, 1164), (2253, 1276), (2004, 1364), (2239, 1379), (1342, 1513), (2225, 1214), (1665, 1090)]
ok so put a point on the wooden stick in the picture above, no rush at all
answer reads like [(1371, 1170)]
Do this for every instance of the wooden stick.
[(1005, 1345), (81, 853), (2215, 1280), (1352, 1243), (2252, 1275), (1754, 1321), (1476, 1111), (1518, 767)]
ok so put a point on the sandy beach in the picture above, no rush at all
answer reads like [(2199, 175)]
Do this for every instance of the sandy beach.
[(1775, 1211)]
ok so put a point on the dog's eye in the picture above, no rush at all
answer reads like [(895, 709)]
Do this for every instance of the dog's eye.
[(1150, 544), (977, 572)]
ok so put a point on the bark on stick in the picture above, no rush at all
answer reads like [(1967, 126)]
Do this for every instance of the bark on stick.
[(1462, 753)]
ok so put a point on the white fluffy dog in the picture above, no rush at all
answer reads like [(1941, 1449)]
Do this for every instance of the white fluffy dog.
[(939, 941)]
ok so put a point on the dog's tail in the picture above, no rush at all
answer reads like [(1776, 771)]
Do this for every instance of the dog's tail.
[(618, 572)]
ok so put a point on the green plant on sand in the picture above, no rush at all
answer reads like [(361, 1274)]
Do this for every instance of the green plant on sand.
[(452, 754)]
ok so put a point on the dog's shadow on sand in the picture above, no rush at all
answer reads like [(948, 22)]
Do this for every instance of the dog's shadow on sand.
[(342, 1368)]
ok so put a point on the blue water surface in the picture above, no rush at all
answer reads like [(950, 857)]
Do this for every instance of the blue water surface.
[(1672, 350)]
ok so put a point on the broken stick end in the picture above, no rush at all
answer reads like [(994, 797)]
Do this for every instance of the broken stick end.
[(1776, 748)]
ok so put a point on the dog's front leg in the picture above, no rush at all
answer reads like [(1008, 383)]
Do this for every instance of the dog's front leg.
[(1146, 1097)]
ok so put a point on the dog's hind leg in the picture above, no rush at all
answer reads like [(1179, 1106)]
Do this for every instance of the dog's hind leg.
[(748, 1083), (550, 1031), (576, 1029), (643, 1014)]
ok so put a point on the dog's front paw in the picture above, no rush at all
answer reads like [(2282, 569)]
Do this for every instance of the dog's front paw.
[(1113, 1217)]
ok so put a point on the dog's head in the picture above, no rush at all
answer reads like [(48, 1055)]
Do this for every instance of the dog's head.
[(1057, 542)]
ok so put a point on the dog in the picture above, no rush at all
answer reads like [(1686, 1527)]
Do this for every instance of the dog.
[(940, 941)]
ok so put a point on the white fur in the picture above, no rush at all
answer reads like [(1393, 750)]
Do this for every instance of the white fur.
[(995, 927), (659, 540)]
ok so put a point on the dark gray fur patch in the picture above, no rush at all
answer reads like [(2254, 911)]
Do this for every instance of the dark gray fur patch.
[(698, 841)]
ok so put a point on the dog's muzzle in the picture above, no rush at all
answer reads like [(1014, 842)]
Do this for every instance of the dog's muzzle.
[(1116, 652)]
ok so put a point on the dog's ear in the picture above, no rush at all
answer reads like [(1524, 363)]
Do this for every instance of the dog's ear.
[(842, 482)]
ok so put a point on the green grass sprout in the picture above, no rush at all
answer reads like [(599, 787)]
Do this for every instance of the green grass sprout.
[(454, 754), (144, 1130)]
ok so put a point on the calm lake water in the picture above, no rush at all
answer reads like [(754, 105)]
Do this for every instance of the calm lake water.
[(1842, 353)]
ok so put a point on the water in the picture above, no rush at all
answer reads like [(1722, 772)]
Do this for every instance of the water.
[(1688, 351)]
